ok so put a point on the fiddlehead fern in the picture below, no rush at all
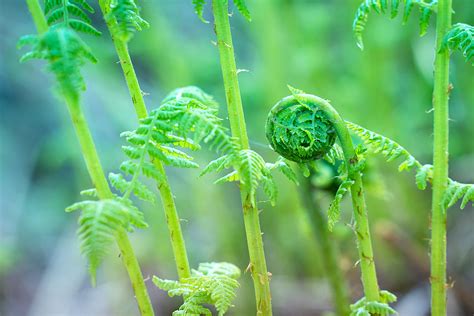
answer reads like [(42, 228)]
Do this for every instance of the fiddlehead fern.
[(460, 37), (241, 5), (70, 13), (301, 115), (381, 6), (212, 283), (127, 15)]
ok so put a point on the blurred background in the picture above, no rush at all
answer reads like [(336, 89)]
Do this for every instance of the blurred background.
[(307, 44)]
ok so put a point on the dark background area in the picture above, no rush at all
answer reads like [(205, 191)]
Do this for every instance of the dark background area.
[(307, 44)]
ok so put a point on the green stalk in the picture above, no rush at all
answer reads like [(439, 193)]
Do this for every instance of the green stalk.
[(440, 162), (364, 243), (258, 266), (97, 176), (327, 247), (169, 206)]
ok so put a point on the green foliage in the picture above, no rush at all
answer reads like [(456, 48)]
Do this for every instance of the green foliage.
[(460, 37), (99, 223), (212, 283), (455, 191), (298, 131), (127, 17), (239, 4), (70, 13), (381, 6), (334, 211), (66, 54), (367, 308)]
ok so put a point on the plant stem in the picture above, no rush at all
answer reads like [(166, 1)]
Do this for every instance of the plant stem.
[(364, 243), (96, 173), (329, 259), (167, 199), (440, 162), (258, 266), (38, 17)]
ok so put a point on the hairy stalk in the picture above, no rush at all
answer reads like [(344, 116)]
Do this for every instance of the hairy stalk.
[(169, 206), (258, 266), (97, 176), (329, 259), (440, 161)]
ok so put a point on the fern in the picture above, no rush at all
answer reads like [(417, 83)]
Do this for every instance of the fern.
[(334, 211), (460, 37), (241, 6), (70, 13), (66, 54), (127, 15), (367, 308), (99, 223), (381, 6), (424, 173), (212, 283)]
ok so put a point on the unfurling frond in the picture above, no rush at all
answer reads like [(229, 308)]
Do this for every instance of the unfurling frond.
[(460, 37), (241, 6), (99, 223), (127, 17), (66, 54), (212, 283), (334, 211), (456, 191), (366, 308), (382, 6), (70, 13)]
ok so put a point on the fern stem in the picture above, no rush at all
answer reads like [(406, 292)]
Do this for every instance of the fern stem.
[(362, 231), (167, 199), (440, 161), (96, 173), (38, 17), (258, 266), (327, 247)]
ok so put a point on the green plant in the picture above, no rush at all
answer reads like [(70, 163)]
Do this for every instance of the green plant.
[(110, 217), (303, 128), (459, 36)]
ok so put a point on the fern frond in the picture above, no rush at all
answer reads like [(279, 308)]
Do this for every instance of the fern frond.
[(66, 54), (99, 223), (212, 283), (366, 308), (70, 13), (241, 6), (126, 187), (456, 191), (334, 211), (381, 6), (127, 15), (460, 37)]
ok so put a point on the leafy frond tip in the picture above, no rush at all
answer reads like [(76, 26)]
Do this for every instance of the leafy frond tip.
[(382, 6), (334, 211), (457, 191), (66, 54), (460, 37), (127, 17), (212, 283), (241, 6), (363, 307), (99, 224), (70, 13)]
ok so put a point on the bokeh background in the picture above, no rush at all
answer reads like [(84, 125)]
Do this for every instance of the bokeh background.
[(307, 44)]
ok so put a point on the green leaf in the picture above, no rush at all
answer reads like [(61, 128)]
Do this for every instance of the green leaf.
[(460, 37), (423, 175), (334, 211), (124, 16)]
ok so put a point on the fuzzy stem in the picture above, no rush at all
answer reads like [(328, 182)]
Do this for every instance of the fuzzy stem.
[(167, 199), (96, 173), (327, 247), (38, 17), (257, 266), (440, 162), (364, 243)]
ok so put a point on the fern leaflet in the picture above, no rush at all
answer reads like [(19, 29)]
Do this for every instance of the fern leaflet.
[(241, 6), (460, 37), (456, 191), (381, 6), (127, 15), (334, 211), (70, 13), (99, 223), (212, 283), (367, 308)]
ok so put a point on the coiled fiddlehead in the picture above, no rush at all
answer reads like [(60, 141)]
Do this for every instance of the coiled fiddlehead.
[(295, 126)]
